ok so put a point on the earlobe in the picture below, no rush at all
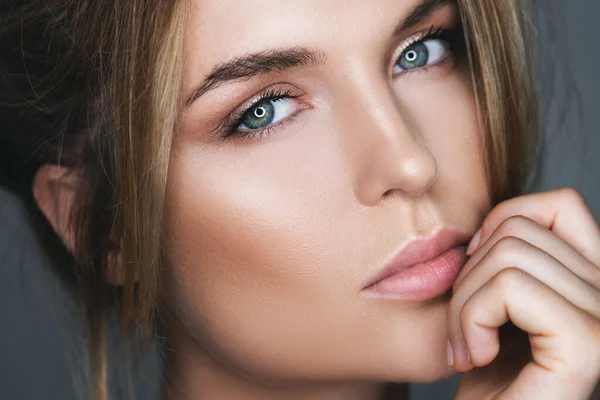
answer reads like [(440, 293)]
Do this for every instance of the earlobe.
[(54, 190)]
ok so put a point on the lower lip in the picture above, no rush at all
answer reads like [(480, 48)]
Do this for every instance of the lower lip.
[(422, 282)]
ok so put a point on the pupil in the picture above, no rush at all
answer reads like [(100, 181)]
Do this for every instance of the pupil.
[(416, 57), (261, 116), (260, 112), (411, 56)]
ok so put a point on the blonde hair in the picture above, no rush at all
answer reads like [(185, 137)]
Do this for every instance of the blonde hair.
[(96, 87), (500, 36)]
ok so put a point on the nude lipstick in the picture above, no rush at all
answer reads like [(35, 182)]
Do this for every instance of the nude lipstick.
[(423, 270)]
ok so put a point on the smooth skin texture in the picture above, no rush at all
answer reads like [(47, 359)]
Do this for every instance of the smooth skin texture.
[(269, 239)]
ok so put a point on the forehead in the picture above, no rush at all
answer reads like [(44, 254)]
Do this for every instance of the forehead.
[(217, 30)]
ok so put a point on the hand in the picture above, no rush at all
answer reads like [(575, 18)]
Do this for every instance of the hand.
[(524, 318)]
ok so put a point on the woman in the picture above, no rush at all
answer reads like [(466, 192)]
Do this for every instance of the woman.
[(296, 190)]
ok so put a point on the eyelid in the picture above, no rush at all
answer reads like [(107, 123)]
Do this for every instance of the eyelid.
[(282, 90), (248, 104), (406, 43), (296, 108)]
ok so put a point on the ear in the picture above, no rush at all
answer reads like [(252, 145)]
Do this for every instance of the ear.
[(55, 189)]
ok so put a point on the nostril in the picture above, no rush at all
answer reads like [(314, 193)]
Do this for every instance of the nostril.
[(389, 193), (396, 193)]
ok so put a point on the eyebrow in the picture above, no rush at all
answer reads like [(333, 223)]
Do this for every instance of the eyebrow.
[(265, 62), (255, 64), (420, 13)]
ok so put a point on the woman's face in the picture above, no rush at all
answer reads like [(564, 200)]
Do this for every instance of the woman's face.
[(320, 138)]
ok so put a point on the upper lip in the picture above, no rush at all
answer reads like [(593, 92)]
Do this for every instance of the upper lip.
[(418, 251)]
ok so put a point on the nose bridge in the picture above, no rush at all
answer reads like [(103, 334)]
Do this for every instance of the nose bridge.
[(386, 148)]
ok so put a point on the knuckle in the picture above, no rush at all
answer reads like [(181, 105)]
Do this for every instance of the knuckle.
[(513, 225), (502, 206), (507, 246), (508, 279), (568, 195)]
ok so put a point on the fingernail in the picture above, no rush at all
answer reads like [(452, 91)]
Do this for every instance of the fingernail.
[(450, 354), (474, 242)]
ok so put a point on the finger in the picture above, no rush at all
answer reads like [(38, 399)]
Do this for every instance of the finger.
[(562, 211), (531, 232), (516, 253), (564, 339)]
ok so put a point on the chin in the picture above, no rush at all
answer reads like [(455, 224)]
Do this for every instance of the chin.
[(412, 346), (431, 368)]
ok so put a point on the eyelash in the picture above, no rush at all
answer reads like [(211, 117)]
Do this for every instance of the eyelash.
[(234, 120), (453, 37), (230, 127)]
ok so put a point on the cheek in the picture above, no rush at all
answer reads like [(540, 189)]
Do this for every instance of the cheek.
[(239, 214), (254, 249), (221, 225)]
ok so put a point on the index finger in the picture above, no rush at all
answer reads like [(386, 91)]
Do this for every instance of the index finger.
[(562, 211)]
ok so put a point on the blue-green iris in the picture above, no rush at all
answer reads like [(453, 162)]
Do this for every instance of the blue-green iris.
[(416, 56), (259, 116)]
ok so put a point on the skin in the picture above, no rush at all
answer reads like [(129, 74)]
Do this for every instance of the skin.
[(269, 241), (534, 263)]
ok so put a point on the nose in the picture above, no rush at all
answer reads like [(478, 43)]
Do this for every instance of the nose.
[(388, 152)]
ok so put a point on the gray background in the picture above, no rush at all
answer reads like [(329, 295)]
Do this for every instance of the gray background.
[(41, 350)]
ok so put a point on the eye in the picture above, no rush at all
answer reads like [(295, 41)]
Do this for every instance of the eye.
[(267, 112), (421, 54)]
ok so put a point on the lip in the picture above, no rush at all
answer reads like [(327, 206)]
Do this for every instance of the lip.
[(423, 269)]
